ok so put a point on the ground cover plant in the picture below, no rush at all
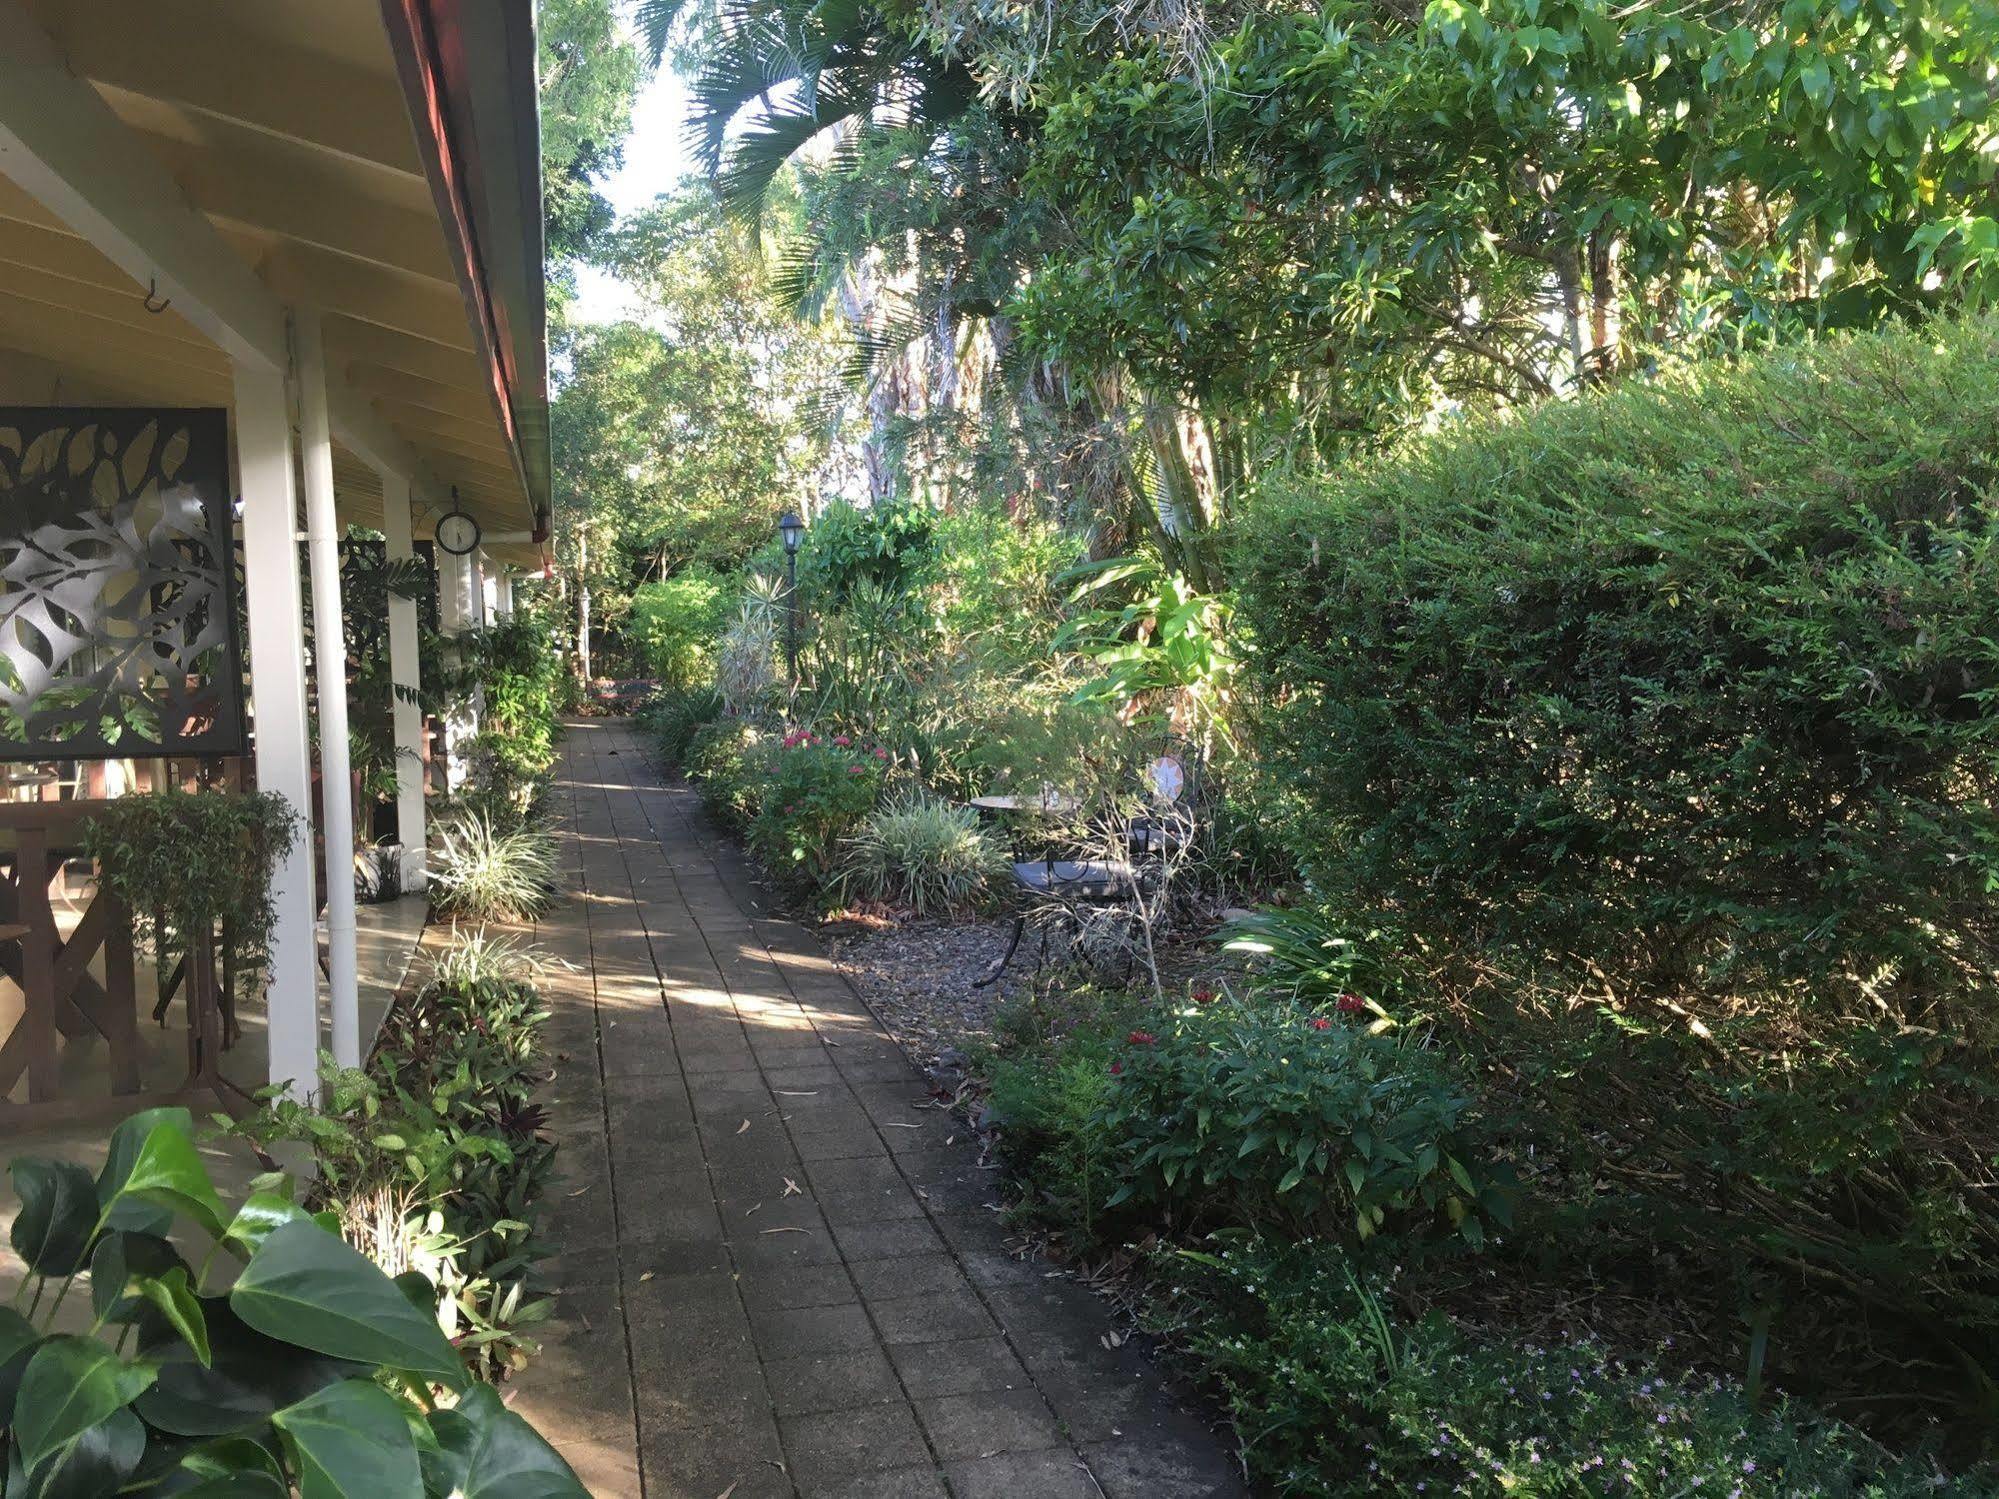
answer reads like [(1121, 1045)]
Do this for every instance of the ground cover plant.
[(432, 1157), (313, 1372)]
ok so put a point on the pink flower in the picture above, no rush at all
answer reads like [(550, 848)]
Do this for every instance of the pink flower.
[(857, 770), (843, 741), (880, 753), (1117, 1068)]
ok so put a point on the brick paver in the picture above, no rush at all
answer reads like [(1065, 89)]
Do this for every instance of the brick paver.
[(779, 1272)]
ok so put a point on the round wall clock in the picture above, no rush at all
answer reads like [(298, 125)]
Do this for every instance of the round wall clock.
[(457, 532)]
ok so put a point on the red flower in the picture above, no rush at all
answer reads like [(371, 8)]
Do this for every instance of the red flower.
[(842, 740), (1351, 1004), (1141, 1038), (857, 770), (1321, 1023), (1204, 996), (1116, 1068), (880, 753)]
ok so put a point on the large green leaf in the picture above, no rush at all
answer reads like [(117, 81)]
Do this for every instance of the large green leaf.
[(261, 1215), (57, 1216), (309, 1287), (120, 1255), (234, 1468), (485, 1451), (17, 1341), (351, 1441), (173, 1297), (71, 1384), (168, 1171), (92, 1464), (126, 1142), (249, 1376)]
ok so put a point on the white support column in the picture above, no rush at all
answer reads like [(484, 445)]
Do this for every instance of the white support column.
[(476, 563), (503, 593), (277, 696), (461, 722), (329, 634), (404, 672)]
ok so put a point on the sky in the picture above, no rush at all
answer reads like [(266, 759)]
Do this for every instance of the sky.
[(655, 159)]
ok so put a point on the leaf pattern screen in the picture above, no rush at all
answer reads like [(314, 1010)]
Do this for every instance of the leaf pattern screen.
[(118, 631)]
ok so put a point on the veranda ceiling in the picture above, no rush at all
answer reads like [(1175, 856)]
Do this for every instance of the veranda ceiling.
[(375, 160)]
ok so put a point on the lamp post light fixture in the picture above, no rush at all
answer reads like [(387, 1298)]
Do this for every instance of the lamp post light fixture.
[(792, 529)]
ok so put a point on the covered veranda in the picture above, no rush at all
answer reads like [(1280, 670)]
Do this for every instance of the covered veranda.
[(313, 226)]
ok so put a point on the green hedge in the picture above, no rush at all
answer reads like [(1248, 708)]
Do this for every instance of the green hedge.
[(1652, 734), (1680, 690)]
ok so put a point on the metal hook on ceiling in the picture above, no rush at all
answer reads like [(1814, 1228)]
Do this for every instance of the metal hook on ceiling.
[(153, 294)]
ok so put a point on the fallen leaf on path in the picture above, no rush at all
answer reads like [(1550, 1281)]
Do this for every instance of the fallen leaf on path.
[(748, 1211), (745, 1127), (728, 1491), (579, 1192), (789, 1093), (787, 1231), (893, 1125), (792, 1189)]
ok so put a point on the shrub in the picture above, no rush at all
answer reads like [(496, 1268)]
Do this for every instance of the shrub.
[(484, 871), (726, 761), (1682, 691), (674, 623), (1337, 1397), (182, 863), (1659, 723), (432, 1157), (675, 716), (1268, 1114), (1048, 1081), (816, 793), (313, 1373), (930, 856)]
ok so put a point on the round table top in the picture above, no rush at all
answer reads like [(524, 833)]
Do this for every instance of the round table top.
[(1049, 803)]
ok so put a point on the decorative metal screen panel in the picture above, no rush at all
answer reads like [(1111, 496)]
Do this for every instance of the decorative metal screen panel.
[(117, 590)]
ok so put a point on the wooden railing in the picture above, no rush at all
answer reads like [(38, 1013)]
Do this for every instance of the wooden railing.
[(60, 997)]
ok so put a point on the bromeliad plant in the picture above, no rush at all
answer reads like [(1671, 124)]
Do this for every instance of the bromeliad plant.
[(313, 1373)]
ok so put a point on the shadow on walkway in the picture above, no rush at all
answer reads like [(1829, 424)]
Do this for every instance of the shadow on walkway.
[(779, 1272)]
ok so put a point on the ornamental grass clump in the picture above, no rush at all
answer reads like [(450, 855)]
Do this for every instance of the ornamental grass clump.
[(929, 856), (484, 872)]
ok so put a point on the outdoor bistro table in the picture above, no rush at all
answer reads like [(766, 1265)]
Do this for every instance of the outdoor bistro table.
[(1047, 803)]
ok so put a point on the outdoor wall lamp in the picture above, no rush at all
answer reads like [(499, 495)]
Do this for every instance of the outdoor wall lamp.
[(792, 529)]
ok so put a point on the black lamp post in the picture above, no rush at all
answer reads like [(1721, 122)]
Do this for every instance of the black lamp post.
[(792, 529)]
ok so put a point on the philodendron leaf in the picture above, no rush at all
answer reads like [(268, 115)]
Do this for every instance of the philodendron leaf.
[(92, 1464), (70, 1385), (249, 1376), (136, 1213), (17, 1340), (167, 1171), (310, 1288), (57, 1217), (351, 1441), (120, 1255), (174, 1297), (485, 1451), (262, 1214), (234, 1468)]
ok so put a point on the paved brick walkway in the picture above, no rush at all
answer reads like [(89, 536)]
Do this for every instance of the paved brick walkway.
[(779, 1274)]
